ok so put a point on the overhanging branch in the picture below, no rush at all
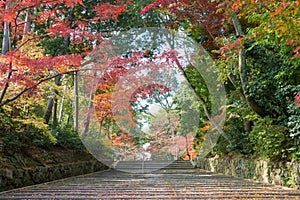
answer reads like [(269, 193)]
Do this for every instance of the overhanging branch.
[(33, 86)]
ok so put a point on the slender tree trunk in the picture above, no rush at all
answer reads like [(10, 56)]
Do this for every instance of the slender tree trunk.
[(48, 110), (54, 114), (61, 109), (27, 25), (68, 118), (90, 106), (76, 102), (51, 102), (88, 118), (243, 69), (5, 40), (57, 82)]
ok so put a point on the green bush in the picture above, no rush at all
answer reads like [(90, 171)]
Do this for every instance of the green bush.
[(16, 133), (239, 144), (67, 137), (270, 142)]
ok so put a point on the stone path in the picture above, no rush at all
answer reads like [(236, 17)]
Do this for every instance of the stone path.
[(177, 181)]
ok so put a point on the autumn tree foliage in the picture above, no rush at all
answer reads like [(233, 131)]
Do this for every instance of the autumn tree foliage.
[(58, 19), (124, 143), (140, 70), (111, 72)]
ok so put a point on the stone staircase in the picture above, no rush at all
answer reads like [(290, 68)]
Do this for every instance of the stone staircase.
[(150, 166), (179, 180)]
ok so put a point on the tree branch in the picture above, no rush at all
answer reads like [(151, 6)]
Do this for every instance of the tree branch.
[(33, 86)]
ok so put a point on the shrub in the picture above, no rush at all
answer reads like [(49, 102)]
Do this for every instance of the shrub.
[(270, 142)]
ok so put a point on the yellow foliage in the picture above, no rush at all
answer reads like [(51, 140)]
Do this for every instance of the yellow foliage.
[(38, 123), (30, 47)]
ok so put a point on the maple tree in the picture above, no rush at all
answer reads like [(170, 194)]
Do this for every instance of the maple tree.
[(59, 18)]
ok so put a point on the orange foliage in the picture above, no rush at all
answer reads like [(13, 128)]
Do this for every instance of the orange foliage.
[(205, 128), (123, 140)]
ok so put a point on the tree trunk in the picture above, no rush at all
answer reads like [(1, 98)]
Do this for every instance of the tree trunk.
[(61, 109), (68, 118), (51, 102), (76, 103), (5, 40), (27, 25), (248, 125), (48, 110), (54, 114), (243, 69), (88, 118)]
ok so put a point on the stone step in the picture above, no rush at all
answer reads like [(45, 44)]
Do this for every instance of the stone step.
[(140, 166)]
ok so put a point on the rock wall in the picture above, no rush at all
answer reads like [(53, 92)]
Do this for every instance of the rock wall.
[(284, 174), (16, 178)]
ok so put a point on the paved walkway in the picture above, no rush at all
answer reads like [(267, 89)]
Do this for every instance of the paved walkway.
[(178, 181)]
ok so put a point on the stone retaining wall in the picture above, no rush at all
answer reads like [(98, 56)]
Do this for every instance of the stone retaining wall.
[(16, 178), (284, 174)]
